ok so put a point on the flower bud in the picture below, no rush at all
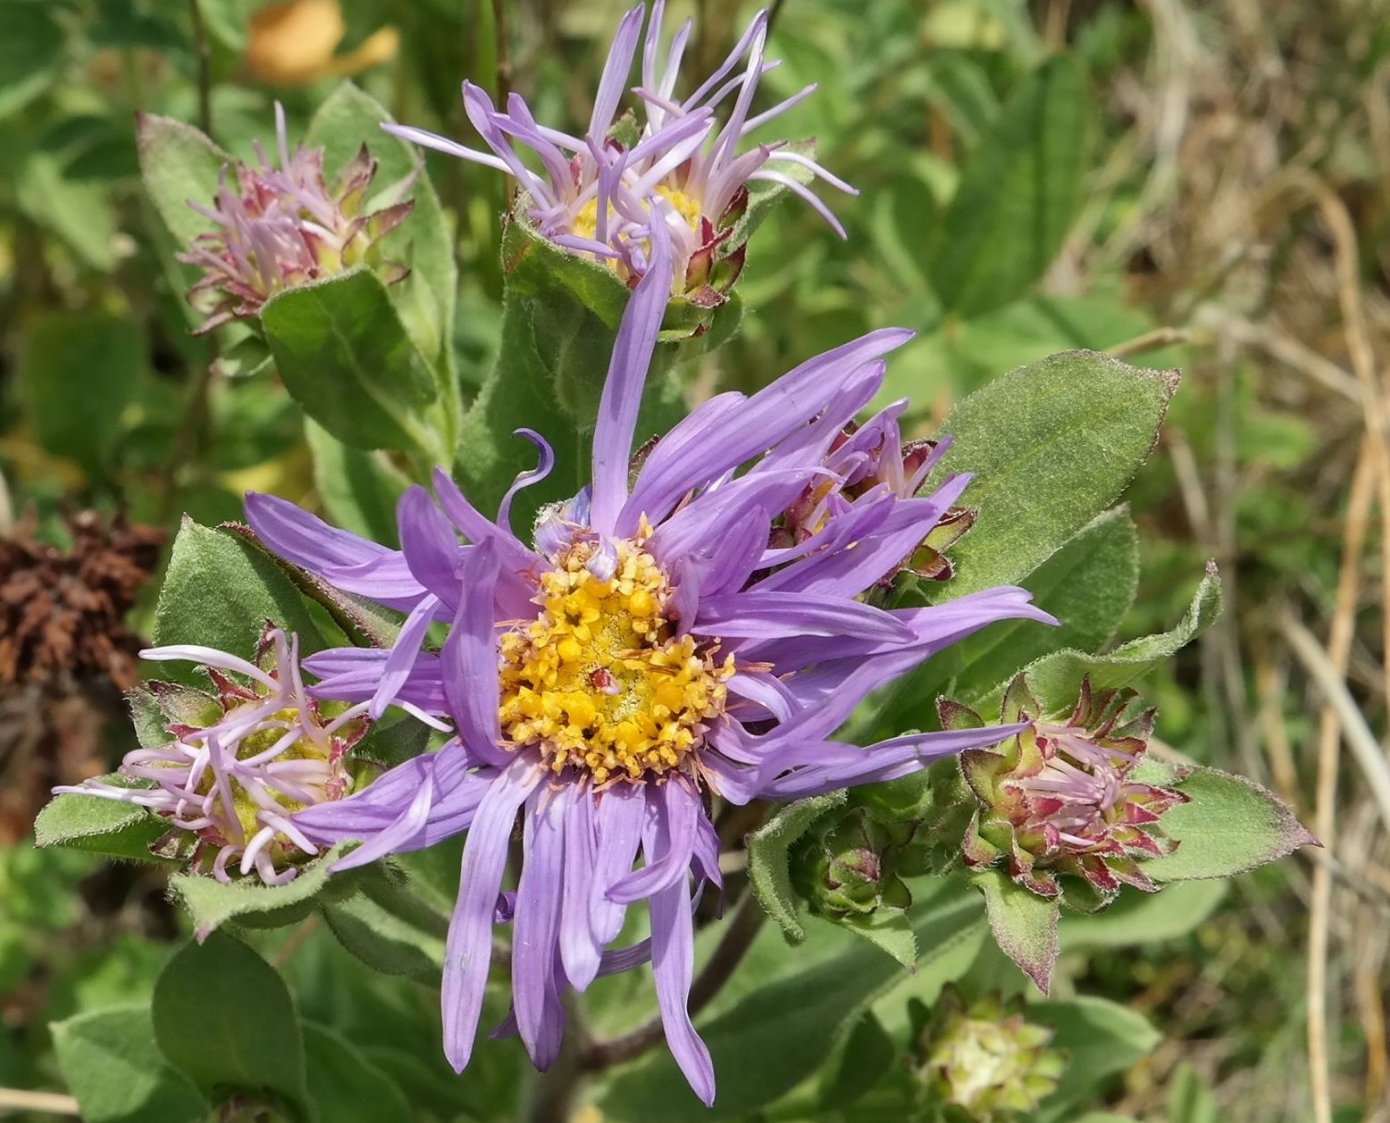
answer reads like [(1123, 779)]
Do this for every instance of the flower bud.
[(851, 865), (229, 769), (985, 1064), (282, 227), (864, 464), (1060, 796)]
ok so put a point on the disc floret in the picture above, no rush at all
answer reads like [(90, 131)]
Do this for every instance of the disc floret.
[(600, 679)]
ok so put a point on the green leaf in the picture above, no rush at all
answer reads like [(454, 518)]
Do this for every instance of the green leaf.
[(1231, 825), (888, 930), (344, 1086), (1189, 1099), (1099, 1037), (548, 377), (345, 357), (1088, 584), (30, 51), (778, 1033), (1024, 924), (225, 1019), (218, 591), (112, 1066), (867, 1056), (101, 826), (390, 929), (359, 489), (1137, 919), (1050, 446), (78, 213), (1056, 678), (768, 872), (78, 372), (358, 617), (213, 903), (178, 163), (1020, 192)]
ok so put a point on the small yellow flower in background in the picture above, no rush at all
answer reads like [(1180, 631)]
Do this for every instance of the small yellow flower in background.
[(292, 43)]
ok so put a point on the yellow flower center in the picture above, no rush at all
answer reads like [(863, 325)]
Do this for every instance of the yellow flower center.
[(599, 680), (585, 225)]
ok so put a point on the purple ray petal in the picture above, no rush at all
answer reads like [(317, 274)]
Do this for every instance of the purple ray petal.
[(468, 951), (673, 963), (537, 921), (469, 658), (622, 389)]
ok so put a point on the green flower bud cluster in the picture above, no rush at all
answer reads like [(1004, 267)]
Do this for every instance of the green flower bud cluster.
[(983, 1063)]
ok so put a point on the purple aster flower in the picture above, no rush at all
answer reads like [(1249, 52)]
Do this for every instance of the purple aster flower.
[(242, 761), (646, 653), (594, 193), (281, 227)]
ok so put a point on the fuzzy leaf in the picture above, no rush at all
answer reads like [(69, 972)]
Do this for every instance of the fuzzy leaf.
[(1024, 924), (100, 826), (1088, 584), (1056, 679), (767, 859), (218, 592), (178, 163), (1018, 197), (1231, 826), (344, 355), (888, 930), (225, 1019), (248, 902), (390, 929), (1050, 446), (112, 1066)]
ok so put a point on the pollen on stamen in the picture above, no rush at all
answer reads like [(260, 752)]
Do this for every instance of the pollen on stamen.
[(600, 681)]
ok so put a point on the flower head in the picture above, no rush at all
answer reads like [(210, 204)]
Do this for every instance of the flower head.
[(240, 762), (284, 226), (1062, 797), (985, 1063), (598, 194), (644, 654)]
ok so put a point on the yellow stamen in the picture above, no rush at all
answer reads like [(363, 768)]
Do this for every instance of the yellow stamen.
[(599, 680)]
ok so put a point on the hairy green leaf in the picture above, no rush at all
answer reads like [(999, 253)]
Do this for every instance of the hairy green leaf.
[(768, 873), (1230, 825), (345, 356), (1050, 445)]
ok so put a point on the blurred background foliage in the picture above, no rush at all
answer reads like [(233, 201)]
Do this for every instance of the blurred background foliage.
[(1195, 185)]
